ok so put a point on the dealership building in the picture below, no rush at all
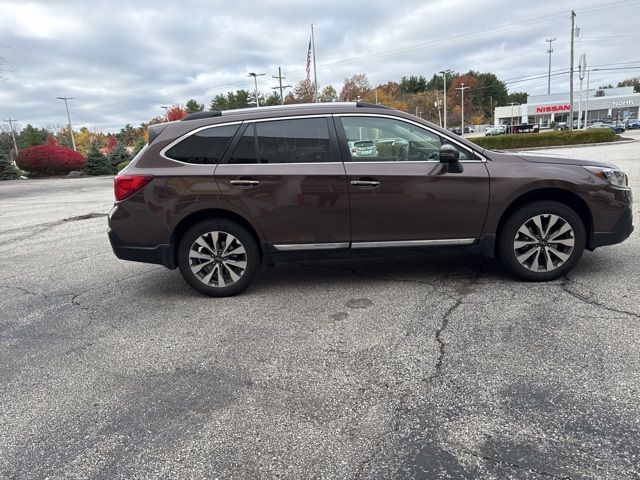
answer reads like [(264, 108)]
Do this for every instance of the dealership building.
[(603, 104)]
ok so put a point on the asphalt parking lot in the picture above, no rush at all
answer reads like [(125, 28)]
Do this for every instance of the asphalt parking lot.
[(431, 366)]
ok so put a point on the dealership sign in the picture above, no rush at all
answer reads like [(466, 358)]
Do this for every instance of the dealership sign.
[(553, 108), (626, 103)]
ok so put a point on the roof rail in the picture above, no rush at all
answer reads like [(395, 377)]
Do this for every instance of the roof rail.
[(371, 105), (199, 115)]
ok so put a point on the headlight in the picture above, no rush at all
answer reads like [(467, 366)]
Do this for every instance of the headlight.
[(617, 178)]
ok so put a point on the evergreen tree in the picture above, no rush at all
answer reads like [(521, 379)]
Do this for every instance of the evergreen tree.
[(8, 170), (192, 106), (97, 163), (118, 155)]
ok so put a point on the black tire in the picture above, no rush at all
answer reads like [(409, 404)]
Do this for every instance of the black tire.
[(509, 252), (234, 234)]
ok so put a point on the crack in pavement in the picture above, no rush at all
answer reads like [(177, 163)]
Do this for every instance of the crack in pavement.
[(43, 227), (589, 301)]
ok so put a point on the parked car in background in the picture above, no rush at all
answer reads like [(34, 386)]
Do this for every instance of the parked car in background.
[(469, 130), (499, 130), (363, 148), (632, 124), (617, 127), (562, 126), (456, 130), (598, 125), (219, 193)]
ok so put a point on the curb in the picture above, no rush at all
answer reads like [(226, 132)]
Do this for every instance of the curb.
[(551, 147)]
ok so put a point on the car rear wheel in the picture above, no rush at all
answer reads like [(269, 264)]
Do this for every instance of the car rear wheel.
[(541, 241), (218, 257)]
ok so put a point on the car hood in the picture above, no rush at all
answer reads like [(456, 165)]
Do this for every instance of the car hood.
[(537, 158)]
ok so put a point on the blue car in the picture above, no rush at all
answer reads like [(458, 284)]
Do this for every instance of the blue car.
[(631, 124)]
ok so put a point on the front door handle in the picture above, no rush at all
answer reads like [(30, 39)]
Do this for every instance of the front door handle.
[(365, 183), (245, 183)]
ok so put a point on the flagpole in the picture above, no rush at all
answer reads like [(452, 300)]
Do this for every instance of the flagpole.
[(315, 73)]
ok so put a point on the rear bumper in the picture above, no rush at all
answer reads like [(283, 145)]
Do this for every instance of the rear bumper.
[(160, 254)]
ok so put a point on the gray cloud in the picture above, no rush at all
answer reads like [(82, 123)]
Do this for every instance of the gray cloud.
[(121, 60)]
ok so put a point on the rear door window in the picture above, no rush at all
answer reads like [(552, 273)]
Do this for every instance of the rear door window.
[(203, 147), (304, 140)]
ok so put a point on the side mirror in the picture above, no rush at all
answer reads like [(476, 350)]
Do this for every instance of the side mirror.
[(449, 154)]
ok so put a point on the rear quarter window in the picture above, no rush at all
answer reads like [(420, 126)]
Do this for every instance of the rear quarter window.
[(203, 147)]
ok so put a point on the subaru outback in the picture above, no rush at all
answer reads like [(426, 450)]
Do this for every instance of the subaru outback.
[(218, 193)]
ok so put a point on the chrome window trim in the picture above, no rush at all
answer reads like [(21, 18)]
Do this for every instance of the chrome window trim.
[(163, 152), (402, 119), (294, 247), (416, 243), (292, 117), (264, 165)]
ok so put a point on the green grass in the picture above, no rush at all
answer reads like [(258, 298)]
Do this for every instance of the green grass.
[(527, 140)]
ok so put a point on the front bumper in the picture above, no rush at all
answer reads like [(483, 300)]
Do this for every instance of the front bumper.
[(619, 233)]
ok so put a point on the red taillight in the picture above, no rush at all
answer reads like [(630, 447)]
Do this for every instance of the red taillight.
[(126, 185)]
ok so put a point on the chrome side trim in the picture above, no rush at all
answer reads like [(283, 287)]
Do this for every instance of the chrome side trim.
[(425, 127), (416, 243), (292, 247)]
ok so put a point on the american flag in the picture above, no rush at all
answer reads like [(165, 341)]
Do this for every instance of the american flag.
[(309, 61)]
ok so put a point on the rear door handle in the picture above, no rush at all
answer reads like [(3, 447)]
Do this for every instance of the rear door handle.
[(245, 183), (365, 183)]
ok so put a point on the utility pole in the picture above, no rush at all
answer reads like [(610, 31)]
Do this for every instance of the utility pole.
[(280, 86), (491, 107), (73, 141), (550, 51), (13, 135), (462, 88), (444, 76), (255, 79), (573, 27)]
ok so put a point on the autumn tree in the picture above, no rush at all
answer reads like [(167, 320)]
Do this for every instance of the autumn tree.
[(176, 112), (631, 82), (389, 94), (303, 92), (192, 106), (454, 97), (111, 143), (328, 94), (355, 87)]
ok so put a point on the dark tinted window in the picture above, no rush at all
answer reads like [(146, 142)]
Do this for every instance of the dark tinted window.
[(245, 151), (293, 141), (204, 147)]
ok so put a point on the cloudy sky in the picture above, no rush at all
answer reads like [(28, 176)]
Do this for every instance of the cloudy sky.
[(122, 59)]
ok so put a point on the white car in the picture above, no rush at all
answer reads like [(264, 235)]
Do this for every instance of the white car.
[(500, 130), (363, 148)]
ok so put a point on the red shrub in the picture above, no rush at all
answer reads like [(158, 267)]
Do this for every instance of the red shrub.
[(50, 160)]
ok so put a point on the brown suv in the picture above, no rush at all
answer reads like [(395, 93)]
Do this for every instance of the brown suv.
[(219, 192)]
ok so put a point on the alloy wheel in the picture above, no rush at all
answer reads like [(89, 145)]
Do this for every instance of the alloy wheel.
[(218, 259), (544, 243)]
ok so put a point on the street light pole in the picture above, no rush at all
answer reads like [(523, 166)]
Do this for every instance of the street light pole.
[(166, 112), (73, 141), (444, 76), (255, 79), (462, 88)]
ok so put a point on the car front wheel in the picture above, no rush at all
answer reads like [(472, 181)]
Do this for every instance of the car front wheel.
[(218, 257), (542, 241)]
